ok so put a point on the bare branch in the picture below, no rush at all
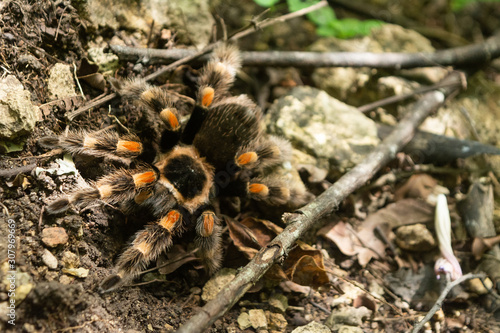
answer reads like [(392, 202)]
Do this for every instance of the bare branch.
[(470, 55), (439, 302), (326, 203), (252, 28)]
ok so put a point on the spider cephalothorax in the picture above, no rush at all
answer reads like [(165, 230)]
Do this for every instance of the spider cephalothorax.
[(224, 134)]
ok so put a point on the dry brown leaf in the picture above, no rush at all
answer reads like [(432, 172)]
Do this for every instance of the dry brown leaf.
[(418, 186), (67, 104), (304, 264), (243, 238), (366, 243), (90, 73), (177, 257)]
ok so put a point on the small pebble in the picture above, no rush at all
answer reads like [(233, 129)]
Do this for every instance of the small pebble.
[(54, 236), (257, 318), (78, 272), (244, 321), (49, 260), (70, 260), (278, 302)]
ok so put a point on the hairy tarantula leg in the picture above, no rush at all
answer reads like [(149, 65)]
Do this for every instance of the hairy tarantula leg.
[(215, 79), (147, 245), (118, 187), (218, 75), (208, 241), (271, 191), (263, 153), (106, 144), (155, 100)]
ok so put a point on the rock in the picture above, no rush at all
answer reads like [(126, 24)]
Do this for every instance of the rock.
[(231, 329), (61, 83), (347, 316), (257, 318), (479, 287), (312, 327), (217, 282), (70, 260), (21, 282), (415, 238), (349, 329), (107, 62), (278, 302), (336, 134), (276, 321), (17, 114), (355, 85), (49, 260), (191, 20), (54, 236), (64, 279), (244, 321), (78, 272)]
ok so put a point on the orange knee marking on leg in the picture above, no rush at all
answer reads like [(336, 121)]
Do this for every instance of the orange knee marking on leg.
[(167, 115), (208, 224), (207, 96), (129, 146), (168, 222), (143, 247), (247, 158), (143, 179), (260, 189)]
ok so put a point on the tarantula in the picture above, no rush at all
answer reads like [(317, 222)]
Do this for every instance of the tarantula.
[(224, 134)]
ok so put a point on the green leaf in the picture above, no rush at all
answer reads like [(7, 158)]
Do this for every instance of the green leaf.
[(457, 5), (322, 16), (347, 28), (266, 3), (295, 5)]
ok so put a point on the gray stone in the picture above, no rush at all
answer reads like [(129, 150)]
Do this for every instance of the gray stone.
[(257, 318), (355, 85), (17, 114), (350, 329), (107, 62), (61, 83), (49, 259), (244, 321), (336, 134), (191, 20), (217, 283), (312, 327), (347, 316), (278, 302), (415, 237)]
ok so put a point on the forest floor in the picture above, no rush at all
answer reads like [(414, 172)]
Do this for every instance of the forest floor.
[(64, 297)]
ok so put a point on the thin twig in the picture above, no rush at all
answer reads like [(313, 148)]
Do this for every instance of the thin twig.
[(8, 173), (299, 222), (439, 302), (397, 98), (252, 28), (359, 286), (463, 56)]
